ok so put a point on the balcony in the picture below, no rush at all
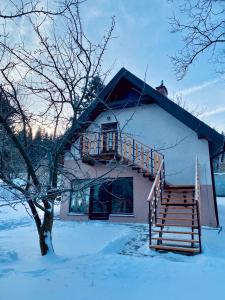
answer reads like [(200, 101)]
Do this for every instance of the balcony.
[(111, 145)]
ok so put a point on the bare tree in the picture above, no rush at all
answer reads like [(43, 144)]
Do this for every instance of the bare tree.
[(202, 25), (16, 9), (46, 83), (194, 110)]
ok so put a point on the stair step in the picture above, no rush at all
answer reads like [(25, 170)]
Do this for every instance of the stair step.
[(178, 187), (175, 225), (176, 213), (176, 219), (175, 240), (146, 174), (174, 232), (176, 198), (189, 208), (179, 190), (178, 204), (136, 168), (175, 249), (178, 193)]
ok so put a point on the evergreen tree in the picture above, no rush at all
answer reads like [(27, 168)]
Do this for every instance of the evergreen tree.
[(95, 86)]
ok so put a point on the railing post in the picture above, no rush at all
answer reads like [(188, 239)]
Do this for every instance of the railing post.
[(150, 223), (151, 162), (199, 228), (99, 141), (155, 205), (133, 154), (116, 143), (161, 188), (163, 170)]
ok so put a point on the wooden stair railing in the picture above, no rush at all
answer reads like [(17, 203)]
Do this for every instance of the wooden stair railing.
[(174, 212), (108, 145), (155, 196), (198, 199)]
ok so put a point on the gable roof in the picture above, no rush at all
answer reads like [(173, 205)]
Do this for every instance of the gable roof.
[(149, 95)]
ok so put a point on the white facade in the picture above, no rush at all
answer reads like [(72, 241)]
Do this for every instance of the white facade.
[(156, 128)]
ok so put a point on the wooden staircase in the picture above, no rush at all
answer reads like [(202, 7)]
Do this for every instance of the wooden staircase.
[(174, 219), (177, 226)]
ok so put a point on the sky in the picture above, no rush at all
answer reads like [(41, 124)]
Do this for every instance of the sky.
[(143, 42)]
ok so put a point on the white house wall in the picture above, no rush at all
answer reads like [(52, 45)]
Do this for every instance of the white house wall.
[(153, 126)]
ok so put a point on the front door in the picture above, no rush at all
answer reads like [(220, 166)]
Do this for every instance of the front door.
[(100, 201), (109, 137)]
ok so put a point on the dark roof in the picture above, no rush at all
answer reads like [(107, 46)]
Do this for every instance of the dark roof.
[(149, 95)]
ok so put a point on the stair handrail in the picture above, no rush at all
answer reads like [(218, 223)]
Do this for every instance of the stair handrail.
[(140, 143), (197, 180), (198, 199), (154, 196)]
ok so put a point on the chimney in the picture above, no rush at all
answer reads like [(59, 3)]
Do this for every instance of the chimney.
[(162, 89)]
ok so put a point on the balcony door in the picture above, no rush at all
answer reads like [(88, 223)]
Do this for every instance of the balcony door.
[(109, 134), (111, 196)]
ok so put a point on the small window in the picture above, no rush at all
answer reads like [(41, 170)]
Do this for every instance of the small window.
[(79, 202)]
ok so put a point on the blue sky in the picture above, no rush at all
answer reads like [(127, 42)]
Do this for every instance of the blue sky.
[(143, 39)]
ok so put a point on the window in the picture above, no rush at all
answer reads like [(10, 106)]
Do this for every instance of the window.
[(109, 196), (79, 202), (122, 195), (109, 135)]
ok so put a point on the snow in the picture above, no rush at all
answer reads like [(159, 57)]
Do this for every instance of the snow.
[(102, 260)]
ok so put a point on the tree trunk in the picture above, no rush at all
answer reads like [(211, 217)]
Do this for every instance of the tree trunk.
[(45, 234)]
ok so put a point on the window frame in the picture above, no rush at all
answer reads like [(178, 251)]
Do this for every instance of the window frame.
[(89, 186), (71, 195), (124, 213)]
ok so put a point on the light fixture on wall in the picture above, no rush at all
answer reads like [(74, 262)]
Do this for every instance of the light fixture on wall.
[(108, 118)]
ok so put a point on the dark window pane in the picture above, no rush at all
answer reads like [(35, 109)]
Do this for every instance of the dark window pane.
[(79, 202), (122, 195), (101, 197)]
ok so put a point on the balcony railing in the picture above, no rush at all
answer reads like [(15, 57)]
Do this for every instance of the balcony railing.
[(108, 145)]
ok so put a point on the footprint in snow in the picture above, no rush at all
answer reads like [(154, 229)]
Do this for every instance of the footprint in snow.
[(6, 271), (36, 273)]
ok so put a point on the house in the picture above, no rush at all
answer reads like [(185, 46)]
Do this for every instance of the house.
[(131, 136)]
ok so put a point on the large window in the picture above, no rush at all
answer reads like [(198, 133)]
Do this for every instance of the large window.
[(79, 202), (111, 195)]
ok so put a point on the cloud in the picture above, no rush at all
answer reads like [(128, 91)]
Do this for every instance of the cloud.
[(213, 112), (199, 87)]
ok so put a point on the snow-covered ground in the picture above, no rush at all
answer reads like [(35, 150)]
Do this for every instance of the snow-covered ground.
[(101, 260)]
